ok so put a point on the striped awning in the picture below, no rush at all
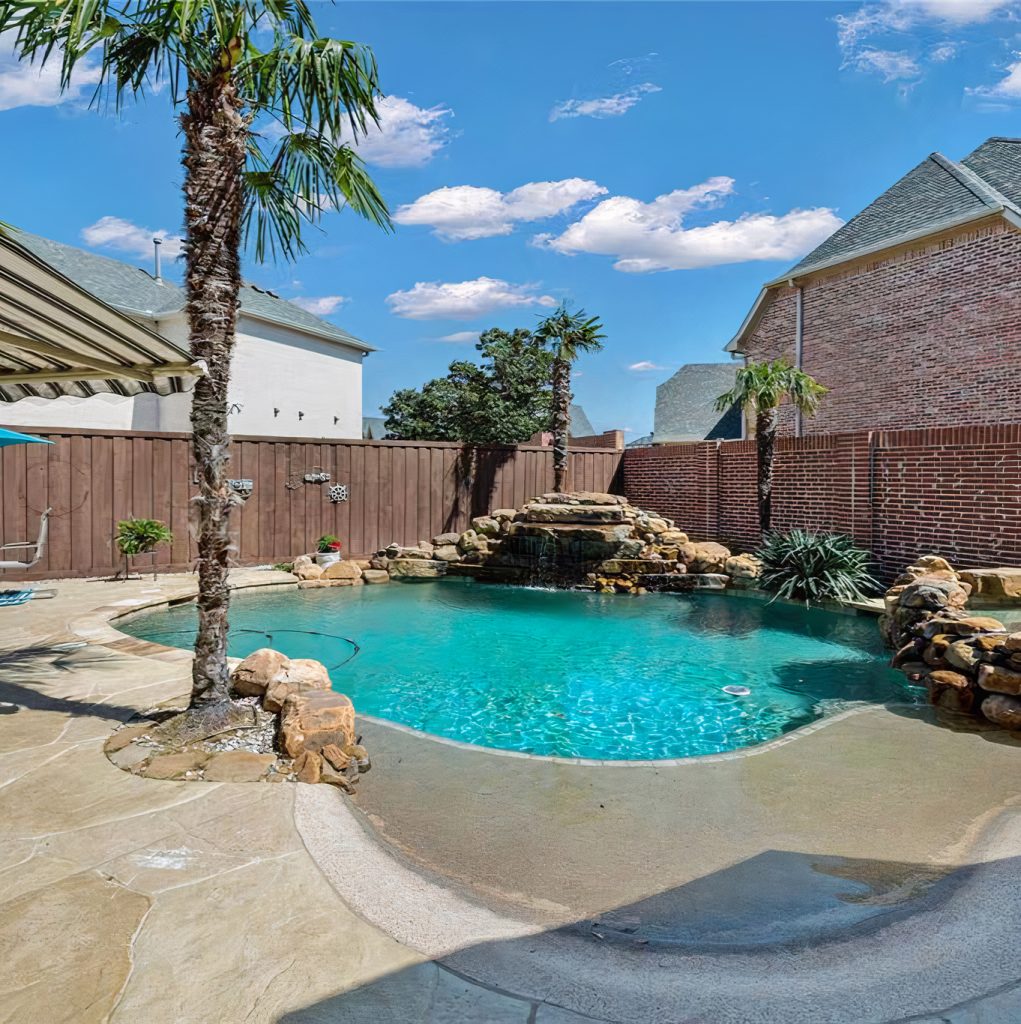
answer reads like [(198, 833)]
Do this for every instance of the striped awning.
[(58, 339)]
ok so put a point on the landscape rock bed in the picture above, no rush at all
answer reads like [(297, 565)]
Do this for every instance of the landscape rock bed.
[(970, 664), (285, 723)]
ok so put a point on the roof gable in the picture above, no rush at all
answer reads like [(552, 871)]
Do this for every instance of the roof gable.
[(133, 290), (935, 193)]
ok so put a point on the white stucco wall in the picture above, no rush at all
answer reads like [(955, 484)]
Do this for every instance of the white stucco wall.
[(283, 383)]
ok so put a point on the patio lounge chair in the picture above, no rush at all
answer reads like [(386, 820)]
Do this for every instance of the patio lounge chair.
[(37, 550)]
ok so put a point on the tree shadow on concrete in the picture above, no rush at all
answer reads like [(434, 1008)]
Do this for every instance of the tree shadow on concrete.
[(26, 672), (631, 960)]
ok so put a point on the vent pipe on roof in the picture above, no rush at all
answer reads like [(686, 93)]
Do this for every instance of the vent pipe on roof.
[(156, 243)]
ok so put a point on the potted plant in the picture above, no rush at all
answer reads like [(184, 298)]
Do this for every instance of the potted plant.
[(327, 550), (140, 537)]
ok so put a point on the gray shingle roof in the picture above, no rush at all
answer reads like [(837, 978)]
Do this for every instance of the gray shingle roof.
[(929, 198), (685, 404), (133, 290), (373, 428), (935, 192), (580, 423), (998, 162)]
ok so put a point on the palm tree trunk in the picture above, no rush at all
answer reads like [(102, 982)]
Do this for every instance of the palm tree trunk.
[(765, 437), (215, 133), (561, 421)]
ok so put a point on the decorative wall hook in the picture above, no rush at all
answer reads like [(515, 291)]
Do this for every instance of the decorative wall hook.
[(243, 488)]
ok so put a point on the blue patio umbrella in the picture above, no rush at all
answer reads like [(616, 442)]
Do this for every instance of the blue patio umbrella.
[(13, 437)]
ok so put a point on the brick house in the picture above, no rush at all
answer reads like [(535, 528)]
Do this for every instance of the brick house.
[(911, 312)]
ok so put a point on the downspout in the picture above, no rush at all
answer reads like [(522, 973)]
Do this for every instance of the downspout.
[(799, 342)]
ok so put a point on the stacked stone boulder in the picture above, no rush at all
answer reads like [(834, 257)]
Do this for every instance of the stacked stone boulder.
[(582, 538), (969, 663), (286, 723), (316, 731), (345, 573)]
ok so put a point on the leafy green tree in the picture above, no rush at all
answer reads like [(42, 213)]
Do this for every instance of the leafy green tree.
[(761, 388), (505, 399), (234, 68), (568, 335)]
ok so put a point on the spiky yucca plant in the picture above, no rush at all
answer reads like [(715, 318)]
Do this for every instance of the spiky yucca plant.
[(816, 567)]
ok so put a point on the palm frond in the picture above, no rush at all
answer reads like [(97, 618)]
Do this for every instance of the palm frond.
[(569, 333), (325, 85), (764, 386), (305, 178), (322, 91)]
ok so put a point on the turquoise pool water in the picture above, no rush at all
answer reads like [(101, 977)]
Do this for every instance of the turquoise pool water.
[(565, 673)]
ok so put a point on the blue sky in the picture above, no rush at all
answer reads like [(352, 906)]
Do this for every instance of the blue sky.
[(651, 162)]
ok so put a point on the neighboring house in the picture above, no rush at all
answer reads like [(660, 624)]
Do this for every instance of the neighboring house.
[(581, 425), (373, 428), (911, 312), (292, 375), (686, 405)]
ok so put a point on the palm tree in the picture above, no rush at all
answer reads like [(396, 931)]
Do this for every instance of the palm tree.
[(568, 334), (761, 388), (265, 104)]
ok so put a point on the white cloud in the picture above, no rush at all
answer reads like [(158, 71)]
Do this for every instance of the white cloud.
[(407, 136), (1007, 88), (123, 236), (651, 236), (322, 305), (902, 15), (467, 212), (461, 337), (943, 52), (603, 106), (645, 366), (463, 300), (960, 12), (903, 21), (891, 65), (23, 84)]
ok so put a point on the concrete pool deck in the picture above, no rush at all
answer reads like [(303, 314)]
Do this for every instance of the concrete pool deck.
[(863, 871)]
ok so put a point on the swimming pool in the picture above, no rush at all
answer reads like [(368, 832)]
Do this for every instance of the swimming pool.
[(566, 673)]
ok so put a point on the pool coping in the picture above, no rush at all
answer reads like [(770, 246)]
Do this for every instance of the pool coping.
[(97, 626)]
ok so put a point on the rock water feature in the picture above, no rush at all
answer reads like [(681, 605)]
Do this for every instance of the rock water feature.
[(970, 664), (576, 539)]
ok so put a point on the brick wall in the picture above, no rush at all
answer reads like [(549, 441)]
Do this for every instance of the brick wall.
[(929, 335), (951, 491)]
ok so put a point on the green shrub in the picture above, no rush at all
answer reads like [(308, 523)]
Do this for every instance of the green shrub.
[(139, 537), (816, 567), (327, 542)]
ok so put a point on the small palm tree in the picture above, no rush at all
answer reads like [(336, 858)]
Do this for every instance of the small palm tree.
[(761, 388), (568, 334), (235, 68)]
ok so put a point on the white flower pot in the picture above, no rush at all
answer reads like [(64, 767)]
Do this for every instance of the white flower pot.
[(326, 558)]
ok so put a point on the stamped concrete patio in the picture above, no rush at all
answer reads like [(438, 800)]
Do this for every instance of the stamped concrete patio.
[(866, 870)]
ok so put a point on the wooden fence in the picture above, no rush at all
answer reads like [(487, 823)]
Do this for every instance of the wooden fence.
[(397, 490)]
